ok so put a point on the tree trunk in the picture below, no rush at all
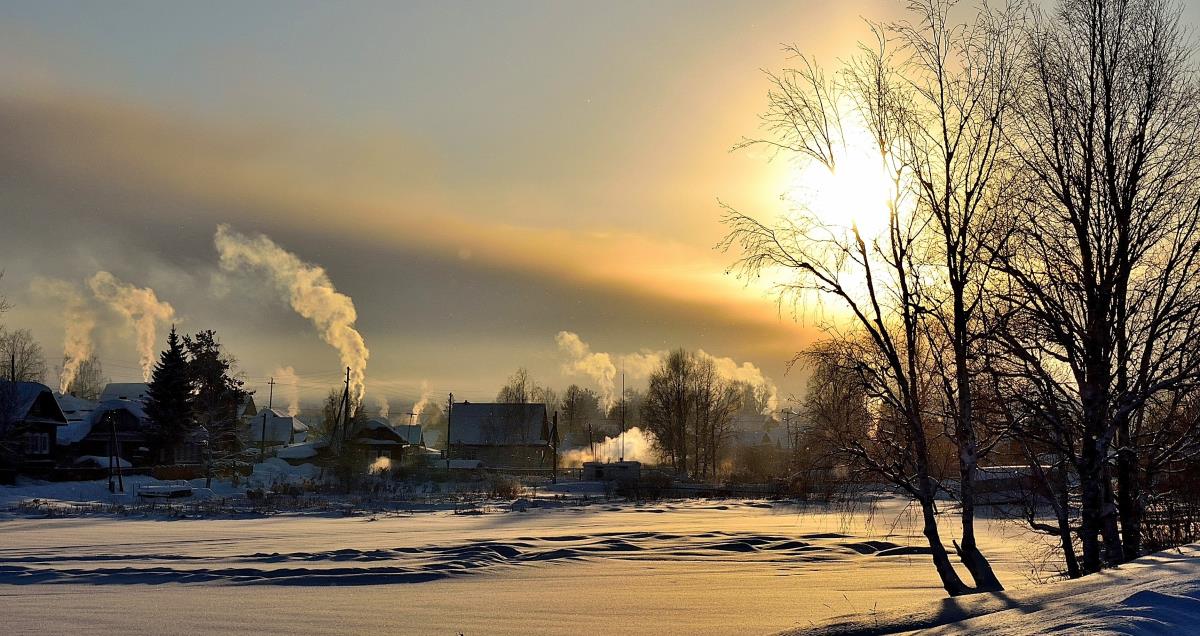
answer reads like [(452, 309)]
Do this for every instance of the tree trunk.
[(1128, 494), (977, 564), (1091, 505), (952, 583)]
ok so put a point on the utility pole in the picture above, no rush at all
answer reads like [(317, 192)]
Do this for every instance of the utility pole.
[(262, 445), (114, 454), (554, 449), (449, 411), (346, 407)]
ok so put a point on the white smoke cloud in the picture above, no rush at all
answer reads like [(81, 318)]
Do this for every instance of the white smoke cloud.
[(597, 366), (422, 402), (603, 367), (729, 369), (141, 309), (385, 408), (79, 321), (289, 386), (311, 294), (638, 446)]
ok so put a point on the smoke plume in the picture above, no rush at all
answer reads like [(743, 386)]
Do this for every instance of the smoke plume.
[(746, 372), (422, 402), (310, 292), (79, 321), (289, 385), (385, 408), (141, 309), (597, 366), (602, 367), (639, 446)]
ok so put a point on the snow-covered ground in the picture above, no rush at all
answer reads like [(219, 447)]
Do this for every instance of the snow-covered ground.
[(695, 567), (1157, 594)]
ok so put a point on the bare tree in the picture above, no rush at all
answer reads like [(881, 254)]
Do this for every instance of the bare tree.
[(89, 379), (934, 111), (1103, 264), (22, 356)]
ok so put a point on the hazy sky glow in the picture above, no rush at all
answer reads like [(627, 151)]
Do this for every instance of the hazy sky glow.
[(476, 176)]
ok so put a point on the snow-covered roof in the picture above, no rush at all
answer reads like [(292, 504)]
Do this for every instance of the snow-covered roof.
[(138, 391), (27, 401), (411, 433), (375, 423), (299, 451), (75, 408), (493, 424), (280, 426), (76, 430)]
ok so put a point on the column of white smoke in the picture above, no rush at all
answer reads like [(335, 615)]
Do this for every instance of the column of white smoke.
[(79, 321), (421, 402), (310, 292), (581, 360), (385, 408), (285, 378), (141, 309)]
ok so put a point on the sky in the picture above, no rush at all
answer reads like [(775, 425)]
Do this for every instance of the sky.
[(476, 176)]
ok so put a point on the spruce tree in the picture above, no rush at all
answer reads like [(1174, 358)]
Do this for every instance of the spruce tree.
[(169, 403)]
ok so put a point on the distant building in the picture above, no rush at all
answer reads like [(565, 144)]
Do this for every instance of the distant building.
[(377, 438), (131, 391), (502, 435), (281, 429), (29, 422)]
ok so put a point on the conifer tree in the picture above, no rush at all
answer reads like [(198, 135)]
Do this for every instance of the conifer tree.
[(169, 403)]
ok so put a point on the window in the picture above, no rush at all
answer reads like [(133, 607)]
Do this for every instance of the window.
[(37, 444)]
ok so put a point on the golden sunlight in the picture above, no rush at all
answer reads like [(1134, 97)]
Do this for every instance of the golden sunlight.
[(856, 191)]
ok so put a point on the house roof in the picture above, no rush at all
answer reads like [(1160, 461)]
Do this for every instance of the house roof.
[(30, 401), (411, 433), (377, 432), (494, 424), (76, 430), (75, 408), (280, 426), (138, 391)]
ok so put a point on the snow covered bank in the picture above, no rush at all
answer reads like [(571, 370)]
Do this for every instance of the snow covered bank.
[(1157, 594)]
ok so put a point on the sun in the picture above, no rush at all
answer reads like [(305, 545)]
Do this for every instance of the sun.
[(856, 192)]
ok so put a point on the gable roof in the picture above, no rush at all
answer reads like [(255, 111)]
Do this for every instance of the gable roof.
[(77, 429), (497, 424), (411, 433), (30, 402), (138, 391), (377, 432), (280, 426)]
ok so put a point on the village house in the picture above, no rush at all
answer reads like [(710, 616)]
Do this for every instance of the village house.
[(280, 429), (502, 435), (377, 438), (97, 429), (29, 422)]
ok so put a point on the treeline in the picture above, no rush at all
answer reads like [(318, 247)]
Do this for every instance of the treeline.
[(1034, 293)]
